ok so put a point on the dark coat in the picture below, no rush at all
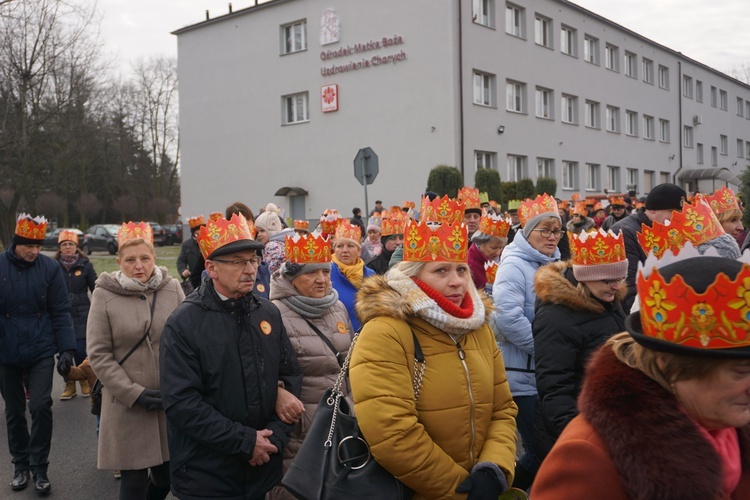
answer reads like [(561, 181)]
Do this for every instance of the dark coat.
[(220, 364), (190, 258), (80, 279), (630, 226), (568, 327), (35, 321), (381, 263)]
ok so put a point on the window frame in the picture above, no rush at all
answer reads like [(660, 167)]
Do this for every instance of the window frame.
[(591, 49), (593, 182), (545, 167), (698, 91), (519, 162), (612, 57), (285, 38), (613, 174), (545, 23), (518, 22), (286, 100), (631, 123), (485, 155), (487, 89), (630, 64), (740, 148), (723, 145), (723, 100), (569, 174), (570, 41), (687, 136), (483, 13), (570, 110), (649, 131), (593, 114), (687, 86), (663, 77), (612, 117), (648, 70), (549, 105), (520, 98), (699, 153), (664, 131)]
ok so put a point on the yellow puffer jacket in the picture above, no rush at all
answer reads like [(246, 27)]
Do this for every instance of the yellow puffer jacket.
[(465, 414)]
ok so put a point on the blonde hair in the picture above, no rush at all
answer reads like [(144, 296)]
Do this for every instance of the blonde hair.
[(135, 242), (412, 270), (729, 215)]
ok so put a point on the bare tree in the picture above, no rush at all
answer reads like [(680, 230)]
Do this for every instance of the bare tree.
[(741, 73)]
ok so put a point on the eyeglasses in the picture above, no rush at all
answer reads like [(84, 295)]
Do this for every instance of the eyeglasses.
[(546, 233), (239, 263), (618, 281)]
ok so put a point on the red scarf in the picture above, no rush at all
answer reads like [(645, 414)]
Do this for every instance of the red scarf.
[(464, 311)]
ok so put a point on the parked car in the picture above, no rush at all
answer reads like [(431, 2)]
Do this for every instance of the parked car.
[(50, 239), (160, 234), (101, 238), (174, 234)]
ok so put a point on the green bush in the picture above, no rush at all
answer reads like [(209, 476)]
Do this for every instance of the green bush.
[(507, 193), (525, 189), (546, 185), (745, 195), (445, 179), (487, 180)]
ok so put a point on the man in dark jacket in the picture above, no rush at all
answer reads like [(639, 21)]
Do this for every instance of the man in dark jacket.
[(35, 323), (190, 261), (224, 353)]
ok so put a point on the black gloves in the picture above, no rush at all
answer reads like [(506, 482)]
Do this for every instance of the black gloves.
[(65, 362), (481, 485), (150, 399)]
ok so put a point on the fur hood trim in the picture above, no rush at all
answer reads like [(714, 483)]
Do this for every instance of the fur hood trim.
[(552, 286)]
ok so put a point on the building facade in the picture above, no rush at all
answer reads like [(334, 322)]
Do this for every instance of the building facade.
[(277, 99)]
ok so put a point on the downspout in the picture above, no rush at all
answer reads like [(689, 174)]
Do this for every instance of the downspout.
[(679, 107), (461, 89)]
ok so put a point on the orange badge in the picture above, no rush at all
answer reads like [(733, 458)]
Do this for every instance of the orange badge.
[(261, 288), (78, 272), (265, 327), (341, 327)]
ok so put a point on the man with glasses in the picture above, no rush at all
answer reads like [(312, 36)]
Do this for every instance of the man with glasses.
[(224, 353)]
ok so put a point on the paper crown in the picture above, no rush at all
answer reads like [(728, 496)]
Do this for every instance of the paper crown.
[(580, 209), (221, 232), (131, 230), (722, 200), (301, 225), (484, 198), (495, 205), (307, 249), (393, 223), (617, 201), (542, 204), (590, 202), (494, 225), (598, 207), (346, 229), (490, 270), (375, 220), (67, 235), (470, 197), (329, 221), (597, 247), (31, 228), (514, 205), (694, 223), (408, 204), (563, 204), (639, 205), (198, 221), (575, 198), (443, 243), (442, 210)]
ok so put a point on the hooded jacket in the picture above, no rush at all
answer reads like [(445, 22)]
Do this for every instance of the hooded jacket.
[(465, 414), (80, 279), (568, 327)]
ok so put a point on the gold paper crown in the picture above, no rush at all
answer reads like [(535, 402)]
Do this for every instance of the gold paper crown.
[(617, 200), (580, 209), (722, 200), (494, 225), (198, 221), (214, 216), (542, 204), (444, 243), (221, 232), (32, 228), (694, 223), (347, 230), (301, 225), (131, 231), (442, 210), (470, 197), (597, 247), (514, 205), (484, 198), (490, 270), (307, 249), (329, 221), (67, 235), (393, 223)]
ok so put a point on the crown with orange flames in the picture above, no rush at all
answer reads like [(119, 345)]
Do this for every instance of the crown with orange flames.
[(617, 201), (393, 222), (67, 235), (221, 232), (132, 230), (580, 209), (597, 247), (329, 221), (214, 216), (470, 197), (694, 223), (442, 210), (307, 249), (195, 222), (542, 204), (443, 243), (301, 225), (494, 225), (31, 228), (722, 200), (490, 270), (347, 230)]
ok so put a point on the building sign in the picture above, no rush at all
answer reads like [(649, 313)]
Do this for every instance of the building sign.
[(359, 50), (330, 29), (329, 98)]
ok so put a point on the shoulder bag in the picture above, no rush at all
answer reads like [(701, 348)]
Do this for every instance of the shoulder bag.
[(327, 342)]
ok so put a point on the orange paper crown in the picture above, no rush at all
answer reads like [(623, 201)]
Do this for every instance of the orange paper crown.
[(408, 204), (597, 247), (617, 200), (576, 197), (442, 210), (214, 216), (32, 228), (393, 223), (490, 270), (598, 207), (694, 223), (301, 225), (494, 225), (470, 197), (722, 200), (198, 221), (347, 230), (221, 232), (444, 243), (580, 209), (307, 249), (542, 204), (67, 235), (329, 221), (590, 202), (131, 231), (563, 204)]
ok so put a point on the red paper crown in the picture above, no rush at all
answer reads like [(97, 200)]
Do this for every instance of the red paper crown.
[(131, 231), (221, 232), (542, 204), (470, 197), (494, 225), (393, 223), (329, 221), (194, 222), (67, 235), (722, 200), (580, 209), (307, 249), (617, 200), (301, 225), (347, 230), (694, 223), (214, 216), (441, 210), (597, 247), (490, 270), (32, 228), (444, 243)]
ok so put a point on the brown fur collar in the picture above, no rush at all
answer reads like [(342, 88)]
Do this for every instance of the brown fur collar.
[(657, 450), (376, 298), (552, 286)]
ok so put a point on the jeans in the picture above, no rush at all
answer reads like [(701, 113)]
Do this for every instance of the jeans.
[(80, 354), (29, 451), (525, 423)]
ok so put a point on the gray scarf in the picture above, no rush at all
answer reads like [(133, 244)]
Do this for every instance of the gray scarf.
[(308, 307)]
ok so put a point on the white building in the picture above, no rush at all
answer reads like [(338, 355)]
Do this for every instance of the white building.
[(276, 100)]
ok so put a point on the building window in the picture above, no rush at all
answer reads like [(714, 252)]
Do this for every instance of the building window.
[(484, 89), (570, 174), (724, 145), (740, 107), (544, 103), (569, 108), (723, 100), (663, 77), (613, 179), (631, 123), (515, 93), (514, 20), (611, 57), (590, 49), (517, 168), (631, 65), (296, 108), (740, 149), (592, 114), (699, 91), (747, 150), (568, 41), (713, 97), (613, 119), (632, 183), (699, 153), (663, 130), (648, 127), (593, 180), (545, 167), (687, 136), (484, 12), (747, 110), (543, 31), (714, 156), (648, 71), (485, 159), (295, 37), (687, 86), (648, 180), (664, 177)]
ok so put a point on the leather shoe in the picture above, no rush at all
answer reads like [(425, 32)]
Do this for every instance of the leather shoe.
[(41, 484), (20, 480)]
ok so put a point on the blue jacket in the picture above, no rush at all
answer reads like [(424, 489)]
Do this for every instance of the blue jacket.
[(80, 279), (514, 297), (35, 321), (347, 291)]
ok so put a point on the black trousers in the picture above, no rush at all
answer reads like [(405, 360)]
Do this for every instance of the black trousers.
[(29, 450), (137, 484)]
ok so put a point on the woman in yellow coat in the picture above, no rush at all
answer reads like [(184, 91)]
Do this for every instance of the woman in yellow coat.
[(460, 435)]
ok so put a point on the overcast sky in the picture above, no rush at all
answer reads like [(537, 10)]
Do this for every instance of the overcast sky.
[(712, 32)]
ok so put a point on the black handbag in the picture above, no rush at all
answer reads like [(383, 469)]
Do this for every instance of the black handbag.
[(334, 461)]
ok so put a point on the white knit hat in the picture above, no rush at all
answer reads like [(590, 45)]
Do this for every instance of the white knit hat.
[(269, 220)]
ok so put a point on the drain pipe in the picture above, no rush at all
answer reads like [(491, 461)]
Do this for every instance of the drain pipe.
[(461, 89), (679, 107)]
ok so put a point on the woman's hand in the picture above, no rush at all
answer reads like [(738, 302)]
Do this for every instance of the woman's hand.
[(288, 407)]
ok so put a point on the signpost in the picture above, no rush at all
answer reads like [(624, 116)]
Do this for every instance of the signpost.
[(366, 169)]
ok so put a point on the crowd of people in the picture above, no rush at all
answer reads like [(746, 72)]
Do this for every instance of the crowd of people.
[(568, 348)]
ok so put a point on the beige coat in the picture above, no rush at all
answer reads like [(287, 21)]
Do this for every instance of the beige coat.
[(130, 438)]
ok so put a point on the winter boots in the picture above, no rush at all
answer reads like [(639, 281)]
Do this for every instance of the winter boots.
[(85, 389), (70, 390)]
